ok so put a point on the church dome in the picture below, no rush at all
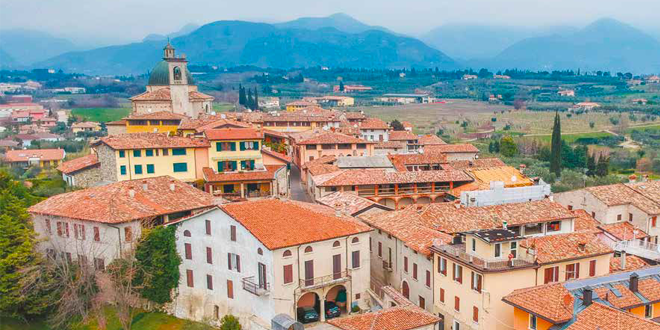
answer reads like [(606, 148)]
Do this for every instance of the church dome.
[(160, 75)]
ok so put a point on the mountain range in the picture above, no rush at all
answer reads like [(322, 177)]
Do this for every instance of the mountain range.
[(340, 40)]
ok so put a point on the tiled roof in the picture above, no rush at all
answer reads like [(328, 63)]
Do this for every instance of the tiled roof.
[(161, 94), (282, 135), (584, 222), (41, 154), (195, 95), (402, 136), (623, 231), (621, 194), (599, 316), (159, 115), (320, 169), (348, 203), (277, 155), (384, 176), (650, 189), (233, 134), (268, 174), (9, 143), (555, 248), (632, 263), (407, 124), (625, 299), (151, 140), (390, 145), (325, 159), (374, 123), (279, 224), (427, 140), (400, 317), (116, 123), (400, 161), (452, 148), (113, 203), (85, 124), (78, 164), (332, 138), (354, 115), (552, 302), (479, 163), (207, 122), (509, 175)]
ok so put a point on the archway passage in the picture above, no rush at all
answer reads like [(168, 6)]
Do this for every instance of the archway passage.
[(336, 302), (308, 308), (405, 290)]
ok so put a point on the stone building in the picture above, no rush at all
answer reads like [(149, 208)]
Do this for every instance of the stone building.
[(81, 172)]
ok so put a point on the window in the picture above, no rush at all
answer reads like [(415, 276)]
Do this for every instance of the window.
[(128, 234), (186, 233), (209, 282), (456, 326), (498, 250), (79, 231), (336, 244), (442, 295), (355, 240), (648, 311), (137, 153), (122, 154), (232, 233), (59, 229), (553, 226), (138, 169), (514, 249), (180, 167), (66, 229), (179, 152), (216, 311), (592, 268), (619, 217), (457, 303), (234, 262), (442, 266), (286, 253), (149, 152), (593, 215), (570, 207), (551, 275), (405, 264), (355, 256), (97, 234), (380, 249), (188, 251), (428, 278), (474, 245), (122, 169), (99, 264), (166, 152), (422, 302), (48, 229), (189, 278), (288, 274), (476, 282), (572, 271), (150, 169), (630, 217), (458, 273), (230, 289), (475, 314), (532, 322), (654, 221), (209, 255), (533, 229), (260, 251), (415, 271), (208, 227)]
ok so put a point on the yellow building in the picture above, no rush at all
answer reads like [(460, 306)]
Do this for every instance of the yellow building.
[(86, 126), (144, 155), (293, 106), (157, 122), (44, 158)]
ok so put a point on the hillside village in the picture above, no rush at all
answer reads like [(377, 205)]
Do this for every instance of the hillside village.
[(318, 217)]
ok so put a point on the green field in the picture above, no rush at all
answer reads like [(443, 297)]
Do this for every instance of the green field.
[(571, 138), (643, 128), (223, 107), (101, 115)]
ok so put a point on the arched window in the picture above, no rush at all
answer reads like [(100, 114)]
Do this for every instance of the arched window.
[(186, 233), (260, 251), (286, 253), (177, 73), (309, 249), (355, 240), (336, 244)]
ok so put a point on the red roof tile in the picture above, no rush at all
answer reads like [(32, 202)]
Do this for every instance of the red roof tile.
[(222, 134), (402, 136), (427, 140), (265, 175), (159, 115), (621, 194), (555, 248), (551, 302), (632, 263), (41, 154), (599, 316), (393, 318), (479, 163), (151, 140), (623, 231), (384, 176), (74, 165), (348, 203), (452, 148), (277, 155), (374, 123), (332, 138), (585, 222)]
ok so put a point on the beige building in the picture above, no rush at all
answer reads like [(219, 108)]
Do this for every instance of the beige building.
[(330, 144), (171, 88)]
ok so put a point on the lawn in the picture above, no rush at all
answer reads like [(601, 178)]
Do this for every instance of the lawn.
[(223, 107), (101, 115), (570, 138)]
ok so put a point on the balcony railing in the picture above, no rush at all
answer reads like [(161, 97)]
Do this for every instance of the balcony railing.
[(405, 190), (256, 289), (458, 251), (317, 282), (387, 265), (638, 247)]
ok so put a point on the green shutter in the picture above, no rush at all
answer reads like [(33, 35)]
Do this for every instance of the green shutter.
[(150, 168), (221, 166), (243, 164), (218, 146), (233, 146), (242, 146), (256, 145), (233, 166), (252, 164)]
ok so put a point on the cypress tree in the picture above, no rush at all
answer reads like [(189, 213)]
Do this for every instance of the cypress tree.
[(256, 99), (242, 100), (591, 165), (341, 86), (250, 100), (602, 168), (555, 152)]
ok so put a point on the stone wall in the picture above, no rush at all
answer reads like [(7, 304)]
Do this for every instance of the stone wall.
[(108, 160), (87, 177)]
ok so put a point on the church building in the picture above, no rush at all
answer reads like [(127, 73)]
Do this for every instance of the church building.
[(171, 88)]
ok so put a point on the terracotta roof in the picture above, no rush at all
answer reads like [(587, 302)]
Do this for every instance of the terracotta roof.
[(277, 155), (625, 299), (268, 174), (429, 139), (348, 203), (41, 154), (384, 176), (85, 124), (623, 231), (632, 263), (151, 140), (559, 247), (402, 136), (208, 121), (78, 164), (163, 94), (354, 115), (113, 203), (553, 302), (275, 133), (407, 124), (195, 95), (479, 163), (584, 222), (390, 145), (320, 169), (621, 194), (332, 138), (599, 316), (221, 134), (374, 123), (9, 143), (401, 160), (509, 175), (325, 159), (279, 224), (650, 189), (453, 148), (159, 115), (116, 123)]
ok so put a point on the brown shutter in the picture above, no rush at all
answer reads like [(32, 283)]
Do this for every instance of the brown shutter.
[(442, 295), (414, 270), (230, 289), (422, 302), (405, 264), (208, 227), (428, 278), (380, 249), (238, 263), (66, 227), (547, 276), (309, 272), (75, 230), (229, 260), (457, 303), (460, 274), (592, 268), (188, 251), (233, 233), (475, 314), (209, 282), (82, 231), (356, 259), (97, 234), (577, 270), (128, 233), (209, 255), (189, 278), (288, 274), (48, 229)]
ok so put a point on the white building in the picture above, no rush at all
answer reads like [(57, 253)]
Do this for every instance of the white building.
[(374, 129)]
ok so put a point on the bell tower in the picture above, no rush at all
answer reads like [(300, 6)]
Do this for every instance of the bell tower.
[(168, 51)]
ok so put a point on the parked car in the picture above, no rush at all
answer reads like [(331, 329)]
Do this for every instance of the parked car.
[(331, 310), (307, 315)]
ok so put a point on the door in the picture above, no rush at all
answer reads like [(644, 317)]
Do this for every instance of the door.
[(262, 276), (309, 272), (405, 290), (389, 258), (336, 266)]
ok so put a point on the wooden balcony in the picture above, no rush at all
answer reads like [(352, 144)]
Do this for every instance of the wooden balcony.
[(400, 190), (254, 288)]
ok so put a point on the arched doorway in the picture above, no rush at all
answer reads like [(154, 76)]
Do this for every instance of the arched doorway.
[(403, 202), (405, 290), (307, 303), (387, 202), (423, 200), (336, 302)]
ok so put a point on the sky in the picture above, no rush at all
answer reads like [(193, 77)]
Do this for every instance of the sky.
[(102, 21)]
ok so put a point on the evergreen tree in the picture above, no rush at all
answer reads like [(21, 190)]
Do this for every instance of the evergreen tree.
[(508, 147), (250, 100), (256, 99), (341, 86), (602, 168), (397, 126), (555, 151), (591, 165), (242, 100), (158, 263)]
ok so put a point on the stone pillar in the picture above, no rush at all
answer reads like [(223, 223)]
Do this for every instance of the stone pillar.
[(242, 190), (322, 310), (270, 185)]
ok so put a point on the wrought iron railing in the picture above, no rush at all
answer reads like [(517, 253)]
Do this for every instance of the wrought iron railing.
[(258, 289), (458, 251), (317, 282)]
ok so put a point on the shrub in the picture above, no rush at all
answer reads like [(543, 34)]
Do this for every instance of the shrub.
[(230, 322)]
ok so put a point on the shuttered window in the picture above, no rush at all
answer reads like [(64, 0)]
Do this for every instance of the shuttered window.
[(188, 251), (475, 314), (230, 289), (356, 259), (288, 274), (208, 227), (457, 303), (592, 268), (209, 255), (189, 278), (209, 282)]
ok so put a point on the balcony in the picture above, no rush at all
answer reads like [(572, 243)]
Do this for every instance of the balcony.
[(256, 289), (370, 191), (318, 282), (387, 266), (487, 264)]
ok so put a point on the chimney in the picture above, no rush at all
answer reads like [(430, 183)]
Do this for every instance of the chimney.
[(623, 260), (634, 282), (145, 186), (587, 296), (632, 178), (131, 192), (172, 185)]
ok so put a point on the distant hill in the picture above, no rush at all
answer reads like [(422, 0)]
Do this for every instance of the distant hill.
[(27, 46), (6, 61), (186, 29), (339, 21), (606, 44), (231, 43)]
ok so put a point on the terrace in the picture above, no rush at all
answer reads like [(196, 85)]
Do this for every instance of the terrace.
[(458, 252)]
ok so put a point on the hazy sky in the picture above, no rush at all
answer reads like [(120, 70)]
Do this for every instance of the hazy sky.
[(126, 20)]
